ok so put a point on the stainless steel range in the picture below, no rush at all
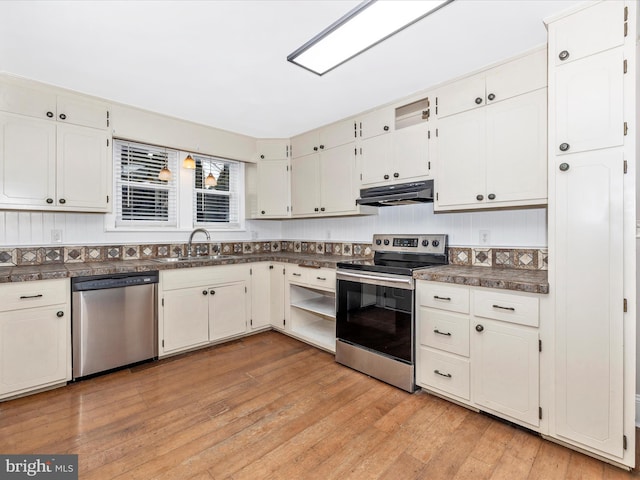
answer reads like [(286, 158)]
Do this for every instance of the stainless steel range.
[(375, 306)]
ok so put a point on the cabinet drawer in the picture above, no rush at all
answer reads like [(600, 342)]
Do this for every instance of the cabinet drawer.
[(444, 297), (324, 278), (297, 274), (16, 296), (444, 372), (506, 307), (445, 331)]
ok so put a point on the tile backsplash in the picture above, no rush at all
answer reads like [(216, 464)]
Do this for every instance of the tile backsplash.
[(522, 258)]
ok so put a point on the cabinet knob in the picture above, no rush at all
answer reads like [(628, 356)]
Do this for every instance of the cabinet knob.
[(564, 147), (564, 167), (204, 292), (396, 175), (49, 200), (479, 328), (492, 196), (63, 116), (315, 209), (386, 177), (50, 114), (491, 96), (62, 201), (479, 197), (563, 55), (321, 147), (60, 314), (263, 212), (212, 292), (322, 209), (315, 149), (478, 101), (262, 156), (386, 128)]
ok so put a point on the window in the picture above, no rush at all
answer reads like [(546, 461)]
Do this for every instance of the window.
[(217, 202), (142, 199)]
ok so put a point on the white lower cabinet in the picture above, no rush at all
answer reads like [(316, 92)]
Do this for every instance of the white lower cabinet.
[(35, 336), (202, 305), (480, 347)]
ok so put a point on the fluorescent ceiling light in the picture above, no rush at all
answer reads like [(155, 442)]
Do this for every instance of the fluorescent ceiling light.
[(363, 27)]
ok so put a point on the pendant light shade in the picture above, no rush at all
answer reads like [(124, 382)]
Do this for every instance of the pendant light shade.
[(210, 181), (164, 174), (189, 163)]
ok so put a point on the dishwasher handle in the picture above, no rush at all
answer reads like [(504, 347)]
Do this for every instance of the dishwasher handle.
[(102, 282)]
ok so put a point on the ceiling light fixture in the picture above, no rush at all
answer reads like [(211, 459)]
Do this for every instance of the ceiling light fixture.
[(363, 27), (189, 163)]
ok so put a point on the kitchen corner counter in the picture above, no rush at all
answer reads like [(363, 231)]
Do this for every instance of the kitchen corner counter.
[(532, 281), (64, 270)]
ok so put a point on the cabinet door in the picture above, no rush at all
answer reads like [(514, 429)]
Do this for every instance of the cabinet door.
[(377, 153), (517, 149), (27, 161), (461, 160), (185, 318), (34, 345), (19, 98), (305, 187), (272, 149), (305, 144), (260, 295), (273, 188), (589, 103), (589, 339), (460, 96), (505, 369), (595, 29), (378, 122), (84, 173), (81, 111), (336, 134), (517, 77), (277, 296), (227, 312), (411, 152), (338, 180)]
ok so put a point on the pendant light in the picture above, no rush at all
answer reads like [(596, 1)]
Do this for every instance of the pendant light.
[(164, 174), (189, 163), (210, 181)]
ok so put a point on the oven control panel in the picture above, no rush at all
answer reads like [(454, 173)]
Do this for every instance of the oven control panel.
[(410, 243)]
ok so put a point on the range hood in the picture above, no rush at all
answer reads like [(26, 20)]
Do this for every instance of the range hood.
[(399, 194)]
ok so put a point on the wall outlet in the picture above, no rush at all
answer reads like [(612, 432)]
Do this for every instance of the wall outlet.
[(56, 236), (484, 237)]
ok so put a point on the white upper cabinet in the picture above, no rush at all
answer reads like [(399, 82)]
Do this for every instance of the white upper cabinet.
[(305, 144), (337, 134), (600, 27), (378, 122), (272, 149), (273, 179)]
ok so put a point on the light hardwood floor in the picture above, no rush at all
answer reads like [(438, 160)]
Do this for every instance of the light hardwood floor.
[(270, 407)]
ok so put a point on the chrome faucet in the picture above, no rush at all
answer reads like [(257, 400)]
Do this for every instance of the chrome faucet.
[(191, 240)]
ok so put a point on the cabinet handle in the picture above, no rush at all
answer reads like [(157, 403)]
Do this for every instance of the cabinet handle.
[(49, 200), (321, 147), (478, 100), (563, 55), (564, 147), (322, 209), (479, 328), (492, 196), (448, 299), (262, 156), (511, 309), (396, 175), (438, 372), (24, 297), (263, 212), (446, 334), (204, 292), (212, 292), (564, 167), (63, 116), (50, 114), (296, 274), (315, 149), (321, 278), (479, 197), (62, 201), (386, 177), (60, 314), (316, 209), (491, 96), (386, 128)]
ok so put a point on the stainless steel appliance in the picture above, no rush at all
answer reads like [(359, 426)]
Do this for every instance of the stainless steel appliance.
[(114, 321), (398, 194), (375, 306)]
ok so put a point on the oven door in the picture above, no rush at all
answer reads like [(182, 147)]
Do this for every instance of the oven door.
[(375, 311)]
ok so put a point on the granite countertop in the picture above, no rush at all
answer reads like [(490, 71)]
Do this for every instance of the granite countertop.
[(64, 270), (533, 281)]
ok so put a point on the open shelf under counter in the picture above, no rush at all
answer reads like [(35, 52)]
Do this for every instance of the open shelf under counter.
[(317, 331), (321, 305)]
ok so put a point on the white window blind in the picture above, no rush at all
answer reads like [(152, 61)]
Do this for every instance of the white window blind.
[(142, 199), (219, 205)]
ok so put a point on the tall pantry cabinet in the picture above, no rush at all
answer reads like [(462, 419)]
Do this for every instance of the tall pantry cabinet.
[(592, 89)]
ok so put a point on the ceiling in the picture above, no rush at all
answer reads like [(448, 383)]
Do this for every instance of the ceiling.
[(223, 63)]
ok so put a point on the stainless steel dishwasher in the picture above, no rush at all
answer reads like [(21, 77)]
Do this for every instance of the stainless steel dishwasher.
[(114, 321)]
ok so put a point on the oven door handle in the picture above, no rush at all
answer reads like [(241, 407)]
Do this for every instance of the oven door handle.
[(405, 283)]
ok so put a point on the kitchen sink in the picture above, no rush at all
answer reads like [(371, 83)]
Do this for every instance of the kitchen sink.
[(193, 259)]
